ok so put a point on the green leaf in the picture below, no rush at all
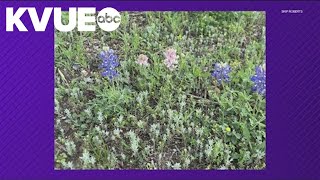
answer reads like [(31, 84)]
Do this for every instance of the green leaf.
[(245, 131), (205, 74), (197, 72)]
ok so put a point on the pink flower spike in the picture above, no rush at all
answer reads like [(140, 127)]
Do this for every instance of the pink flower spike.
[(171, 58), (143, 60), (171, 54)]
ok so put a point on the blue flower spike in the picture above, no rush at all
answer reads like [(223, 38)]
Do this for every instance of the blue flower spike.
[(259, 80), (221, 72), (109, 63)]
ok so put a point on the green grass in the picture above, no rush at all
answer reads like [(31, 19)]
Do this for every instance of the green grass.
[(154, 118)]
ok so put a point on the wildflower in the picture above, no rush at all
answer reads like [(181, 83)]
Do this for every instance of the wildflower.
[(259, 80), (221, 72), (171, 58), (110, 62), (143, 60), (228, 129)]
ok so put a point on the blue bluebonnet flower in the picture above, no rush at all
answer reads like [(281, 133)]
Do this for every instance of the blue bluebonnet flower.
[(221, 72), (109, 64), (259, 80)]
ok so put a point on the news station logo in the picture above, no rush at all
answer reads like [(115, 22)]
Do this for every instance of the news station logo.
[(82, 19)]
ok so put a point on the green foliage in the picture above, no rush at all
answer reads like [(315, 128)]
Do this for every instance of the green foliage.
[(154, 118)]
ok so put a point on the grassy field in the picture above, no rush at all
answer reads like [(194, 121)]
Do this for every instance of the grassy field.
[(166, 90)]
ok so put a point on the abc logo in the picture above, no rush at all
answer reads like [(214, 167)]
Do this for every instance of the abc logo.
[(108, 19)]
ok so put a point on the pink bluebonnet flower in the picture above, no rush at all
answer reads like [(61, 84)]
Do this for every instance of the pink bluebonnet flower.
[(143, 60), (171, 58)]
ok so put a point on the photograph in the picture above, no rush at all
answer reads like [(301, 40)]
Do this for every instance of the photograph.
[(166, 90)]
